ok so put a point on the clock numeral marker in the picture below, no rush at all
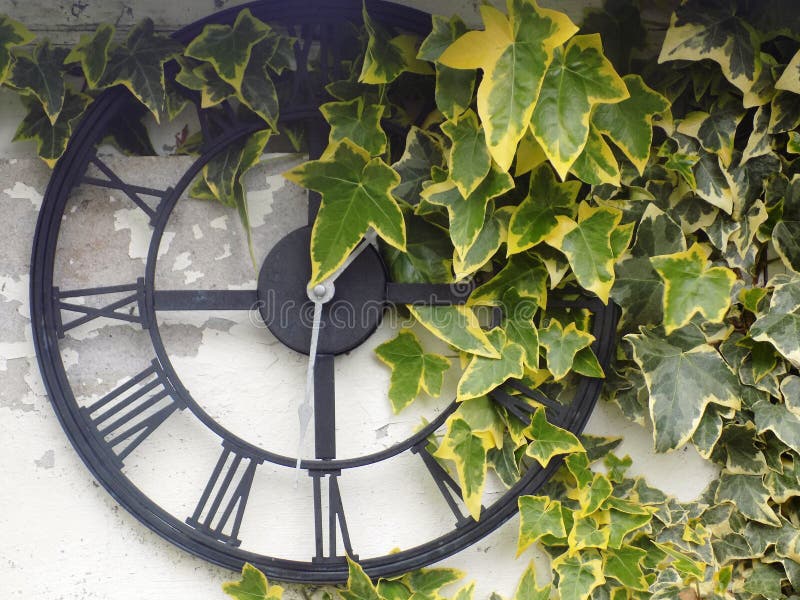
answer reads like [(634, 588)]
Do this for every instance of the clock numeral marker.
[(231, 488), (134, 192), (450, 490), (337, 524), (129, 308), (127, 415)]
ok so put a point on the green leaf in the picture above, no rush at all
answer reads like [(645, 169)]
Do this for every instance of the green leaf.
[(624, 565), (256, 89), (12, 34), (484, 374), (386, 58), (428, 254), (781, 330), (428, 582), (578, 575), (491, 237), (562, 345), (204, 79), (524, 273), (359, 586), (228, 47), (623, 523), (468, 450), (538, 516), (51, 138), (389, 589), (41, 75), (681, 385), (587, 533), (594, 495), (356, 195), (412, 369), (692, 287), (422, 152), (458, 326), (138, 64), (358, 122), (749, 495), (519, 327), (469, 157), (548, 440), (780, 421), (92, 52), (514, 53), (527, 588), (764, 581), (467, 215), (685, 565), (629, 123), (587, 245), (579, 78), (596, 164), (714, 131), (252, 586), (505, 461)]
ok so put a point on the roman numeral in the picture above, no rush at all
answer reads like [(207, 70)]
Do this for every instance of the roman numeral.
[(129, 414), (336, 525), (450, 490), (134, 192), (220, 511), (128, 305)]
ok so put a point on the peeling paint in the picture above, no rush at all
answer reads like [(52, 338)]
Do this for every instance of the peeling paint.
[(226, 252), (197, 232), (137, 222), (219, 222), (192, 276), (47, 461), (182, 261), (20, 191)]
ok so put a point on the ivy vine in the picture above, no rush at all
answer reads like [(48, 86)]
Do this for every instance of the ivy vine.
[(538, 155)]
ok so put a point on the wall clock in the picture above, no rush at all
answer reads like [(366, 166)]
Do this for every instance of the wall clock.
[(232, 498)]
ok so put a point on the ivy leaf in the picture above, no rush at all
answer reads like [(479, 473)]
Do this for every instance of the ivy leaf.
[(692, 287), (513, 53), (356, 195), (624, 565), (428, 254), (594, 495), (538, 516), (596, 164), (629, 123), (781, 330), (428, 582), (359, 585), (484, 374), (681, 385), (422, 152), (458, 326), (587, 533), (51, 138), (488, 242), (228, 47), (518, 324), (256, 90), (578, 575), (41, 75), (252, 586), (469, 157), (537, 215), (468, 450), (386, 58), (579, 78), (467, 215), (358, 122), (587, 245), (412, 369), (12, 33), (776, 418), (764, 581), (138, 64), (562, 345), (749, 495), (624, 522), (548, 440), (527, 588), (790, 78), (715, 131), (204, 79), (92, 52), (524, 273)]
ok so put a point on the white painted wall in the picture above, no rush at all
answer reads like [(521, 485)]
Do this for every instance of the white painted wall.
[(63, 536)]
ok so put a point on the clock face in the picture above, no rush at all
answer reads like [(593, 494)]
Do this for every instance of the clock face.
[(177, 364)]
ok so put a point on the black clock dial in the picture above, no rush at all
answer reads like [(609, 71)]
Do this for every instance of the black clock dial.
[(240, 485)]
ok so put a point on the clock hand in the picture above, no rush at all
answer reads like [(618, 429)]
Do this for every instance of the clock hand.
[(305, 409), (370, 239)]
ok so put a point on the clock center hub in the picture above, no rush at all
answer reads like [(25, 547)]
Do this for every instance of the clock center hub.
[(351, 311)]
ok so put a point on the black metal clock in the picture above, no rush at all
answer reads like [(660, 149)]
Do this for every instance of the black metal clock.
[(111, 431)]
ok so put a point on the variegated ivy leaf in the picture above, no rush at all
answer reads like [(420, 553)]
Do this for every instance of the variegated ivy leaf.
[(468, 451), (760, 141), (790, 78), (780, 329), (359, 585), (784, 112), (626, 518), (594, 494), (428, 254), (548, 440), (41, 74), (710, 181), (714, 131), (793, 144), (586, 532), (467, 215), (356, 195), (493, 234), (691, 286), (138, 64), (256, 89), (538, 516), (524, 273), (385, 58), (469, 158), (204, 79), (687, 566), (428, 582), (537, 215), (357, 122), (92, 53), (484, 418), (764, 581), (252, 586), (422, 152), (514, 52), (596, 164), (587, 245), (412, 369), (681, 384), (625, 565), (458, 326), (578, 574), (713, 30), (12, 34), (228, 47), (51, 138), (391, 589), (527, 588), (749, 495), (780, 421), (518, 324), (790, 389), (484, 374), (562, 345), (579, 78), (629, 123), (529, 154)]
